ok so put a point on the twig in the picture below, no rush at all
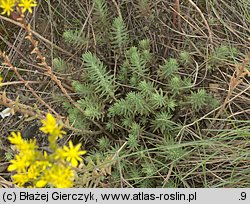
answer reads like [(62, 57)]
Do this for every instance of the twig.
[(236, 79), (176, 15), (19, 82), (7, 62), (16, 106), (37, 35), (204, 19), (168, 175), (117, 8)]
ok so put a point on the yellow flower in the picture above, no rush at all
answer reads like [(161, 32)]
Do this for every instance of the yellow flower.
[(19, 164), (43, 163), (16, 138), (21, 144), (27, 5), (41, 183), (72, 154), (26, 148), (59, 153), (62, 177), (58, 176), (20, 179), (1, 78), (33, 171), (50, 126), (7, 6)]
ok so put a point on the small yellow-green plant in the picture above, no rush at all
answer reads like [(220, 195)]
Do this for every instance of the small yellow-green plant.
[(34, 168)]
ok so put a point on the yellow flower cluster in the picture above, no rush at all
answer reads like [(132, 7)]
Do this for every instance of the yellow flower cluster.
[(50, 126), (36, 169), (9, 5)]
